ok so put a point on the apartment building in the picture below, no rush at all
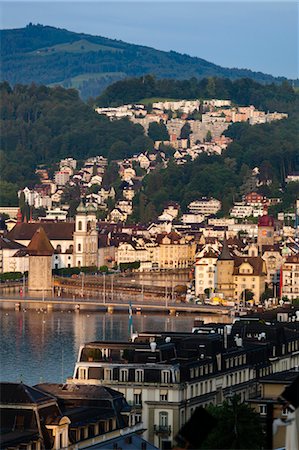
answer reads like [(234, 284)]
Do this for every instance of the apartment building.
[(205, 206), (165, 376), (290, 278)]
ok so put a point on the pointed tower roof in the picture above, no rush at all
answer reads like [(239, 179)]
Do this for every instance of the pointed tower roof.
[(225, 253), (40, 244)]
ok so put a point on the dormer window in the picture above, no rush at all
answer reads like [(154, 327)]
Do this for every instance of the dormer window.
[(165, 376), (108, 373), (123, 375), (139, 375)]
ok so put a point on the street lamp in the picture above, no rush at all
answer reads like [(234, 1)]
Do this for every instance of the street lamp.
[(82, 283), (112, 277), (104, 287)]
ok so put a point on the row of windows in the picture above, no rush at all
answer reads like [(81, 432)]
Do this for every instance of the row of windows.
[(201, 388), (235, 361), (124, 375), (200, 371), (236, 378)]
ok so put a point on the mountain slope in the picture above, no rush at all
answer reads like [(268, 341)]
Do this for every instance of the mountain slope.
[(50, 55)]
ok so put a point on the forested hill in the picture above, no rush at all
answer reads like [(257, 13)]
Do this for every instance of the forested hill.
[(48, 55), (273, 97), (41, 125)]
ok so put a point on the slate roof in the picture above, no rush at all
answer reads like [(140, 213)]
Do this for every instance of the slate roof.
[(6, 243), (127, 442), (78, 391), (54, 230), (19, 393), (285, 377)]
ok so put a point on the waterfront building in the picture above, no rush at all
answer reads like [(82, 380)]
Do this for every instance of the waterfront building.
[(175, 251), (165, 376), (75, 243), (225, 270), (238, 275), (60, 235), (205, 272), (56, 416), (10, 261)]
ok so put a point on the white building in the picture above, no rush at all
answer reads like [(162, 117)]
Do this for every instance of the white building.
[(68, 162), (193, 218), (56, 214), (205, 272), (205, 206), (240, 210)]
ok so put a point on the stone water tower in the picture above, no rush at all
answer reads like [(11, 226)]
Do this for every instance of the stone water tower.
[(40, 250)]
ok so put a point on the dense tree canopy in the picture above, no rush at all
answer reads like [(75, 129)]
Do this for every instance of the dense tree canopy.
[(238, 427), (272, 97), (40, 125)]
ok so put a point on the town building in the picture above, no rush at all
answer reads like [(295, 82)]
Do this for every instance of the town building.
[(57, 416), (165, 375), (175, 251), (205, 273), (270, 389), (237, 276), (290, 278), (205, 206)]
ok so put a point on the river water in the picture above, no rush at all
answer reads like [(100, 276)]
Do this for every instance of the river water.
[(39, 346)]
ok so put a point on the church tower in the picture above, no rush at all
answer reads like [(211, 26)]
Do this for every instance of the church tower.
[(85, 237), (265, 232), (225, 270), (40, 252)]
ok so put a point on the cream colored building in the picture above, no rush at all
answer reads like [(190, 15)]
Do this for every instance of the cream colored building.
[(175, 251), (249, 275), (205, 272), (237, 275), (290, 278)]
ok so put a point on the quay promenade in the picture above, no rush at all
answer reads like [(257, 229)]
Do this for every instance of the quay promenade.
[(164, 305)]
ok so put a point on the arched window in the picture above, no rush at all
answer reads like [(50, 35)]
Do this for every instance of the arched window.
[(79, 247), (80, 225), (58, 248)]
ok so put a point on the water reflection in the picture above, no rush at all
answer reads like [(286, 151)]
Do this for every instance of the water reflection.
[(40, 346)]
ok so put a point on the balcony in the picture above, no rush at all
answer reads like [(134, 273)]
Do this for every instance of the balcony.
[(162, 430)]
